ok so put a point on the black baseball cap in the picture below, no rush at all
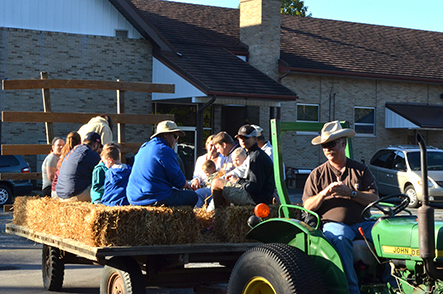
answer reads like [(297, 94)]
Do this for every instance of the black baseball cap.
[(246, 131), (93, 137)]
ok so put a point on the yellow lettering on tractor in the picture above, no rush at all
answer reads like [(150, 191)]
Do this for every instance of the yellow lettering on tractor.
[(401, 250)]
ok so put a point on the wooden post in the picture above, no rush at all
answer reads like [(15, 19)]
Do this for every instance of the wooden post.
[(121, 128), (47, 108)]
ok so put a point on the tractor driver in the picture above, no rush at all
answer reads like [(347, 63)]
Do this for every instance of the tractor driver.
[(338, 190)]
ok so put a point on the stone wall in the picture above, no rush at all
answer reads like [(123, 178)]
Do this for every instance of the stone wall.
[(25, 53), (345, 94)]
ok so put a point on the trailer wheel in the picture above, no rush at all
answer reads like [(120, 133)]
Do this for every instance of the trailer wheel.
[(275, 269), (53, 268), (122, 275)]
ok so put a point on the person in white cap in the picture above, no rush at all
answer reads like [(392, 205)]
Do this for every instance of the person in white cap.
[(339, 190), (156, 177)]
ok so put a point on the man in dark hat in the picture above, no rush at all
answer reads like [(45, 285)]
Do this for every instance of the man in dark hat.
[(258, 184), (339, 190), (75, 177)]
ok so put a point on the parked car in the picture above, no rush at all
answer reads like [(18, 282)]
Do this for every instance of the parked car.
[(9, 188), (397, 169)]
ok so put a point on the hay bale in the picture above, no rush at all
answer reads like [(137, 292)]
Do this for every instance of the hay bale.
[(99, 225), (230, 223)]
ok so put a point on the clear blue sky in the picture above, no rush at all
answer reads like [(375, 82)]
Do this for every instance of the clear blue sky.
[(413, 14)]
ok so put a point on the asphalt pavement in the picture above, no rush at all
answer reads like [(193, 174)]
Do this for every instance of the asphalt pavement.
[(20, 264)]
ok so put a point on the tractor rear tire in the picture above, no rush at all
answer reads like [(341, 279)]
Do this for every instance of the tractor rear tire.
[(122, 275), (275, 269), (53, 268), (410, 191)]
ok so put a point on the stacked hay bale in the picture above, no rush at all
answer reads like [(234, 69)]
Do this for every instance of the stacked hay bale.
[(231, 222), (101, 226)]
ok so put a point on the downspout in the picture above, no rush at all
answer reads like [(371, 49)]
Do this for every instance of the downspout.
[(200, 108), (426, 225)]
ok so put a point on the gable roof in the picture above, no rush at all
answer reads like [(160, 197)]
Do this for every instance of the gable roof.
[(207, 37), (355, 49), (425, 116), (199, 43)]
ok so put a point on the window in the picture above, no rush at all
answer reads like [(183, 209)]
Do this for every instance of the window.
[(307, 112), (364, 120)]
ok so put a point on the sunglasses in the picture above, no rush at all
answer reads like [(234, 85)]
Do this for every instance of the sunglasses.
[(175, 136), (329, 145)]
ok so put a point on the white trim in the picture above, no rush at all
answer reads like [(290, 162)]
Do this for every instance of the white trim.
[(86, 17)]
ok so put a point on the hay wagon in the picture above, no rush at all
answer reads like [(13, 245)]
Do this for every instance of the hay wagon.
[(129, 269)]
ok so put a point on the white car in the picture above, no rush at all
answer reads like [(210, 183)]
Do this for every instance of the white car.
[(397, 169)]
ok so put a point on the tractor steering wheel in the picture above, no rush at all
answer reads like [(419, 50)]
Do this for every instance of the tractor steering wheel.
[(386, 210)]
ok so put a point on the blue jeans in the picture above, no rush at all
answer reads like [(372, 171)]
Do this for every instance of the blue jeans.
[(179, 198), (203, 193), (341, 236)]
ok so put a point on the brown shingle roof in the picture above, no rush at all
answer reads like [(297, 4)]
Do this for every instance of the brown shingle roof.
[(422, 114), (207, 33), (203, 39), (361, 49)]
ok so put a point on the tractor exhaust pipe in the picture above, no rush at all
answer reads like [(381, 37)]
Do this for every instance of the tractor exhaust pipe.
[(426, 225)]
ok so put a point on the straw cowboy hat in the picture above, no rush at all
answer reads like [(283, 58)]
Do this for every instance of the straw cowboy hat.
[(332, 131), (168, 126)]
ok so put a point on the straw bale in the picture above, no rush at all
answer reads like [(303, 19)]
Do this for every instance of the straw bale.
[(231, 222), (99, 225)]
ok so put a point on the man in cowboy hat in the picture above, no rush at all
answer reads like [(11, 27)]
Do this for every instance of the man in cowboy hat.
[(339, 190), (257, 185), (156, 177)]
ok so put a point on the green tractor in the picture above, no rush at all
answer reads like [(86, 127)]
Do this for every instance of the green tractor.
[(297, 258)]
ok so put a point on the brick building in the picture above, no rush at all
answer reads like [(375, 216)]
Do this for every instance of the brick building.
[(230, 66)]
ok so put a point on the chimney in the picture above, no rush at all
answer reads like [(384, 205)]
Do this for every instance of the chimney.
[(260, 30)]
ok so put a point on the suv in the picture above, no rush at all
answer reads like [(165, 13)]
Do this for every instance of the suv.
[(397, 170), (9, 188)]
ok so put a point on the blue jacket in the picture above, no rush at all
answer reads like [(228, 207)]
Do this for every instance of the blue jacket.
[(154, 173), (76, 171), (116, 180), (98, 181)]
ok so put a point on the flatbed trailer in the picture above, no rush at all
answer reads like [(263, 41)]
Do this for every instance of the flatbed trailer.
[(130, 269)]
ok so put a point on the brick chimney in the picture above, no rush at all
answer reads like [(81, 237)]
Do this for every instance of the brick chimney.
[(260, 30)]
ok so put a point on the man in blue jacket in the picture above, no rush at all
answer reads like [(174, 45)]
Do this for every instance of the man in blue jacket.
[(156, 177)]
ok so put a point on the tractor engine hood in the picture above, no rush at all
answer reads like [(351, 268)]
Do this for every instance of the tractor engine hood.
[(397, 238)]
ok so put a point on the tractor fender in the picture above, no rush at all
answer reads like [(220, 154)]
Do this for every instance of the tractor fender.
[(280, 230)]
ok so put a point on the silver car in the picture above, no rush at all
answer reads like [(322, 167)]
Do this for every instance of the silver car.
[(397, 170)]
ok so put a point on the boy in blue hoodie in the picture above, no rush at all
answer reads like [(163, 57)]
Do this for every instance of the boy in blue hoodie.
[(116, 178)]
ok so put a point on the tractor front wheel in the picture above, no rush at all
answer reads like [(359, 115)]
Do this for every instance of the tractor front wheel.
[(275, 269)]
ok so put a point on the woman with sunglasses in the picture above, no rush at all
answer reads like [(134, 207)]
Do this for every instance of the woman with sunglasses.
[(156, 178)]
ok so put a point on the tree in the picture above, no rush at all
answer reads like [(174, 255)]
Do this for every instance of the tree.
[(294, 7)]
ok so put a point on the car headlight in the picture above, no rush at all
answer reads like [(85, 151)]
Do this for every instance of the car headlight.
[(430, 184)]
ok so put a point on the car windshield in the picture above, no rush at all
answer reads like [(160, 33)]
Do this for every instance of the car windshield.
[(435, 160)]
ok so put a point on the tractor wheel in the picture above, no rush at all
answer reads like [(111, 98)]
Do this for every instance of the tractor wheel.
[(410, 191), (275, 269), (53, 268), (5, 194), (122, 275)]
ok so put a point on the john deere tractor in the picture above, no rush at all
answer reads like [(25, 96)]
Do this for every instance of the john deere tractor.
[(296, 257)]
